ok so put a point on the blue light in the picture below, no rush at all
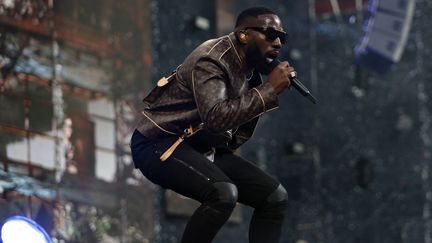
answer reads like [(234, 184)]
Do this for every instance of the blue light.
[(18, 229)]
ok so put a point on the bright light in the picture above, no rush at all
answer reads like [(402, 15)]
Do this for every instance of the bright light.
[(20, 229)]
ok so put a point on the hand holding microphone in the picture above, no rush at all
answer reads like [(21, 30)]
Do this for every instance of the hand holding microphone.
[(279, 76), (283, 75)]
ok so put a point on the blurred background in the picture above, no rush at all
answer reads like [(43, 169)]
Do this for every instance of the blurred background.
[(357, 165)]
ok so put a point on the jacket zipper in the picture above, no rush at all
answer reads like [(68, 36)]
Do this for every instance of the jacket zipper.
[(192, 168)]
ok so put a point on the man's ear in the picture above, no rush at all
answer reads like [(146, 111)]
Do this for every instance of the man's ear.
[(242, 37)]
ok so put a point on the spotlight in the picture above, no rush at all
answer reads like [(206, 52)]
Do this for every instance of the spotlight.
[(18, 229)]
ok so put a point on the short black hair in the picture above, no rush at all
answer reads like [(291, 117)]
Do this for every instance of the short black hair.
[(252, 12)]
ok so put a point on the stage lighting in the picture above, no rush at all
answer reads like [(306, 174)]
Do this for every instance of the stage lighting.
[(18, 229), (387, 31)]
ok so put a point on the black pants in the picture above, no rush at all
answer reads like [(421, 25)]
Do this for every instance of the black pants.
[(217, 185)]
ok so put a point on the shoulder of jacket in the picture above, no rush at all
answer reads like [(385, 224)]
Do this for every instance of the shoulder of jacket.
[(219, 48), (215, 50)]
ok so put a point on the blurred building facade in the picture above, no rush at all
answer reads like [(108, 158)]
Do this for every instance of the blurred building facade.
[(356, 165), (67, 71)]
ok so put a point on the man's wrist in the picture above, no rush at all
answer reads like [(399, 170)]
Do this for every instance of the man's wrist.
[(268, 96)]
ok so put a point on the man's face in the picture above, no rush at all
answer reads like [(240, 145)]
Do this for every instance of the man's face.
[(265, 35)]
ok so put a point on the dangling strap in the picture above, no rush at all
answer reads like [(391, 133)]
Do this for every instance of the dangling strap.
[(187, 133), (164, 81)]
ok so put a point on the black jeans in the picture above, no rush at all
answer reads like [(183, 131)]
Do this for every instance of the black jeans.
[(217, 185)]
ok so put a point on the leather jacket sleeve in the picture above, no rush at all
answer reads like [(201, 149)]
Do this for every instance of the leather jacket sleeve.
[(219, 107)]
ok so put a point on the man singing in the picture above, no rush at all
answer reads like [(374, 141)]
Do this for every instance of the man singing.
[(197, 116)]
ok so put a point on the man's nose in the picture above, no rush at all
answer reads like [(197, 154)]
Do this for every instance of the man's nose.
[(277, 43)]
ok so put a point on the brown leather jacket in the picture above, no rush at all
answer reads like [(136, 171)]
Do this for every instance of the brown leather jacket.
[(210, 88)]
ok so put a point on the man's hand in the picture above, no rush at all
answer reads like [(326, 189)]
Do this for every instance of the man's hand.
[(279, 77)]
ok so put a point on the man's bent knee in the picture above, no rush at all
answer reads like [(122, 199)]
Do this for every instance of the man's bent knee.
[(223, 195), (275, 204), (280, 195)]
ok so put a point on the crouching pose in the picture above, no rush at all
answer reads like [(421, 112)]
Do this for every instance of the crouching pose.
[(197, 116)]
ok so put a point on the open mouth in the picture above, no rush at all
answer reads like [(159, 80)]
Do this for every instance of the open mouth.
[(269, 60), (270, 56)]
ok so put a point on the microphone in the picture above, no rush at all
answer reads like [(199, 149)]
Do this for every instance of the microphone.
[(296, 83)]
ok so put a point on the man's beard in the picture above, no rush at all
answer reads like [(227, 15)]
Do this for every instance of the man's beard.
[(257, 60)]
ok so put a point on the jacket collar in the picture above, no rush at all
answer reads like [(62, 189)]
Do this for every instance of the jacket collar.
[(233, 42), (256, 76)]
